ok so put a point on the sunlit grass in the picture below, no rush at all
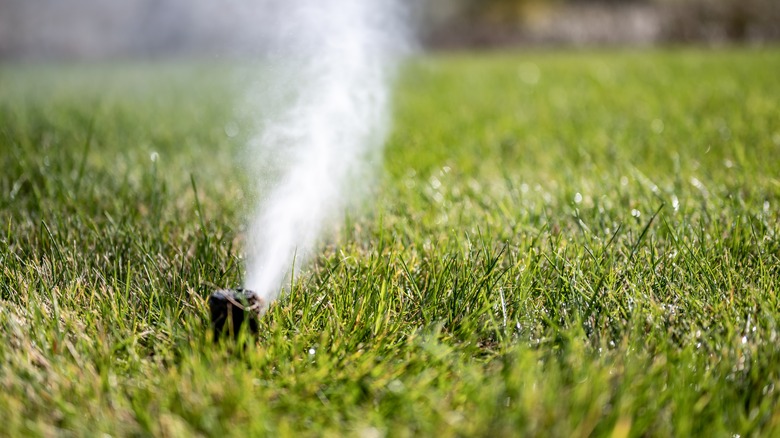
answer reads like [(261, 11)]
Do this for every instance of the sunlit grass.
[(559, 244)]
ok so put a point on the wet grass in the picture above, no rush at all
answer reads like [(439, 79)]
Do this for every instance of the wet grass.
[(563, 244)]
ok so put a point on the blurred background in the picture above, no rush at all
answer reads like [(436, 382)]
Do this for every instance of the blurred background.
[(501, 23), (99, 29)]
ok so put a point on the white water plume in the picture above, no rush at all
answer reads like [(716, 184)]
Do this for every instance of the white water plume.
[(324, 113)]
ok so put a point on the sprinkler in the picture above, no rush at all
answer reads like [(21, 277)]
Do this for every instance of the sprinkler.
[(231, 308)]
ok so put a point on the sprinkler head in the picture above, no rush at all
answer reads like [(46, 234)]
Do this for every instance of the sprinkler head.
[(231, 308)]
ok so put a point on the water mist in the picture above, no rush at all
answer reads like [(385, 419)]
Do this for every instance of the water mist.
[(323, 110)]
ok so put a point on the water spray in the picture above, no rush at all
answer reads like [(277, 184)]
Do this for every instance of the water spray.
[(323, 112)]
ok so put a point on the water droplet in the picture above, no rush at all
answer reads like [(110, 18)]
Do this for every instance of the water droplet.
[(395, 386), (725, 132), (657, 125), (370, 432), (529, 73), (231, 129), (699, 185), (636, 213)]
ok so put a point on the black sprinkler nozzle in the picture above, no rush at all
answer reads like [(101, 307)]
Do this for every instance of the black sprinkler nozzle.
[(232, 308)]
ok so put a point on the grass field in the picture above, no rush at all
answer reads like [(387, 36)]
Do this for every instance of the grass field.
[(558, 244)]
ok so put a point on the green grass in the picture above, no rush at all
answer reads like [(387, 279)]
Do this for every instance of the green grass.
[(596, 252)]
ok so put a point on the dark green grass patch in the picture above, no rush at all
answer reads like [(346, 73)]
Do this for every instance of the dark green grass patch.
[(560, 244)]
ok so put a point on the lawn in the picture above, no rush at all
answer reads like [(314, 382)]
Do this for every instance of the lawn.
[(556, 244)]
